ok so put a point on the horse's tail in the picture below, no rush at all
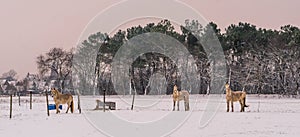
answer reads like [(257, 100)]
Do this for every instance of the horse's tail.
[(245, 102), (187, 97), (72, 106)]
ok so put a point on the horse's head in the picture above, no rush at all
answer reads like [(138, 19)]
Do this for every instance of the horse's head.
[(227, 86), (175, 91), (54, 92)]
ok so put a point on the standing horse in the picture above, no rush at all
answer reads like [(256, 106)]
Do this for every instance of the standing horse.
[(60, 98), (233, 96), (180, 95)]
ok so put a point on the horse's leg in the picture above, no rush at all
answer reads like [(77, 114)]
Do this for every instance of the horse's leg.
[(187, 106), (184, 103), (57, 110), (243, 102), (72, 106), (228, 105), (188, 103), (231, 105), (178, 105), (68, 107), (174, 102), (242, 106)]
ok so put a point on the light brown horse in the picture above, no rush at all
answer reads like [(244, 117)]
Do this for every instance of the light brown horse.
[(180, 95), (60, 98), (233, 96)]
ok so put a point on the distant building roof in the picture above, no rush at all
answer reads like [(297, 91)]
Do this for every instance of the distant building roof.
[(31, 76), (11, 87), (19, 83), (6, 83), (8, 78), (1, 89), (2, 78)]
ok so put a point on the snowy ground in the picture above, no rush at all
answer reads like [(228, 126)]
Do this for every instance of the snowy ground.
[(266, 116)]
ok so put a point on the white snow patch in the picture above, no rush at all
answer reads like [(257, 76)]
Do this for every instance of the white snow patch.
[(266, 116)]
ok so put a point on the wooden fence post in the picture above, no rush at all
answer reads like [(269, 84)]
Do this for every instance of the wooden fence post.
[(19, 98), (47, 102), (79, 107), (104, 100), (10, 108), (30, 94), (132, 104)]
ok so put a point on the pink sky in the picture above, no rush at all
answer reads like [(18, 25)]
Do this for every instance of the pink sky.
[(30, 28)]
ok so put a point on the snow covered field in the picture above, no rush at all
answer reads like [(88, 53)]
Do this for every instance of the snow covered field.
[(266, 116)]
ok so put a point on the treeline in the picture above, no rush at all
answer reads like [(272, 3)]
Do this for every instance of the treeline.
[(262, 61)]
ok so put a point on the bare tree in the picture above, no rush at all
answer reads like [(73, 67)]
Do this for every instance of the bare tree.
[(10, 74), (58, 62)]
